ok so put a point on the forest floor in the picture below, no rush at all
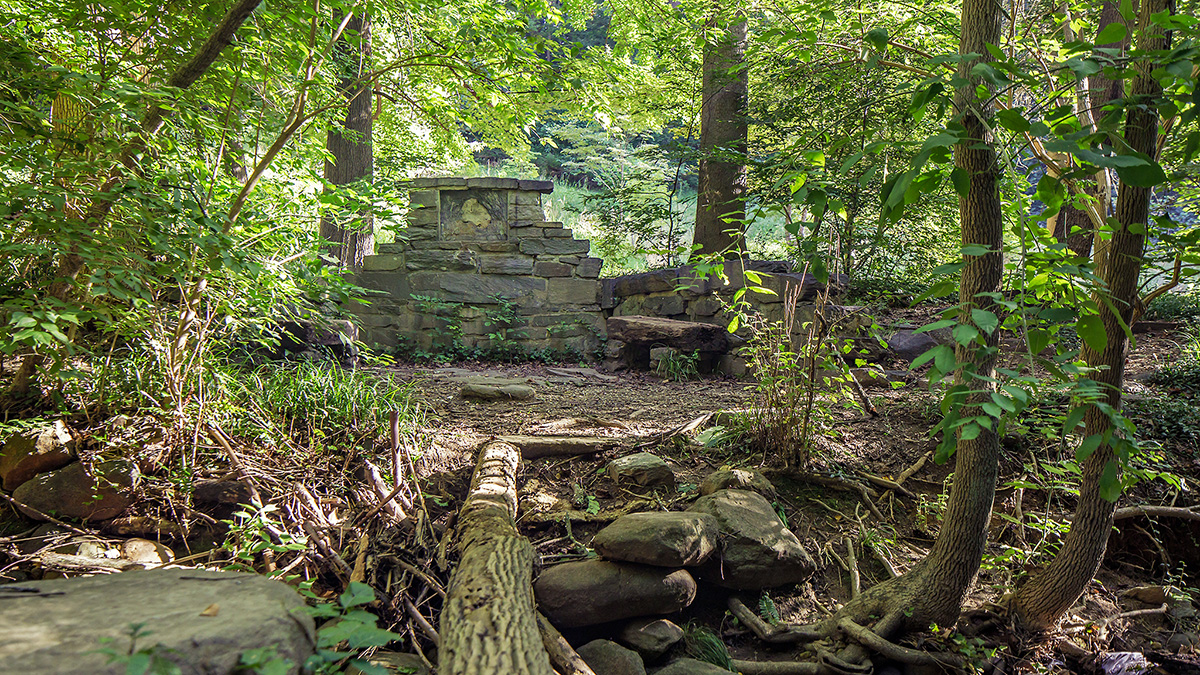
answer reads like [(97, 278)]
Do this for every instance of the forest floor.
[(638, 409)]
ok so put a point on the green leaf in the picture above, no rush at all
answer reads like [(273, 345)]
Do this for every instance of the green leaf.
[(930, 355), (1113, 32), (944, 360), (1091, 329), (878, 38), (1038, 340), (1110, 481), (961, 180), (1145, 174), (357, 594), (1073, 419), (734, 324), (986, 320), (1088, 446), (1013, 119), (970, 431)]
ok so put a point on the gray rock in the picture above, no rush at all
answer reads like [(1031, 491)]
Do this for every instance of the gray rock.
[(651, 637), (738, 479), (691, 667), (146, 552), (641, 472), (73, 492), (908, 345), (654, 331), (1183, 642), (597, 591), (492, 392), (59, 630), (667, 539), (605, 657), (871, 378), (25, 455), (757, 550)]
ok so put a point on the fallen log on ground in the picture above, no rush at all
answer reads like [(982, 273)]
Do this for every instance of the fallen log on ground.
[(489, 623), (533, 447)]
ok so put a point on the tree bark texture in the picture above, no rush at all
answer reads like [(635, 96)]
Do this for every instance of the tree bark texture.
[(71, 263), (351, 234), (489, 624), (721, 198), (1039, 604), (934, 590)]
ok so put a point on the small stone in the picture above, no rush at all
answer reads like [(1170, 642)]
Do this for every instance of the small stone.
[(146, 551), (690, 667), (738, 479), (605, 657), (74, 492), (667, 539), (757, 551), (589, 592), (25, 455), (641, 472), (589, 268), (651, 637), (1181, 642), (551, 269), (220, 492)]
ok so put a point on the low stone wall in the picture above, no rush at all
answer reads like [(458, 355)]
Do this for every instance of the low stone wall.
[(481, 265)]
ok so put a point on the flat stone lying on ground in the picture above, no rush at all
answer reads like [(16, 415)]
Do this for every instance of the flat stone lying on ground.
[(654, 331), (757, 551), (589, 592), (665, 538), (641, 472), (738, 479), (606, 657), (203, 620), (496, 392)]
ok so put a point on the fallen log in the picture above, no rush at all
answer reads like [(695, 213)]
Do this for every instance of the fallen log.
[(533, 447), (489, 623)]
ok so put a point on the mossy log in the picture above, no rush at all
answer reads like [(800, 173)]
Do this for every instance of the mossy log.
[(489, 623)]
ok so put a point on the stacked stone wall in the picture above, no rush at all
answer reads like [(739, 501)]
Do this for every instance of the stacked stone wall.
[(477, 250)]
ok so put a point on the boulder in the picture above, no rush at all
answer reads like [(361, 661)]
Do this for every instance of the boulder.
[(650, 637), (203, 621), (641, 472), (646, 331), (738, 479), (25, 455), (908, 345), (666, 539), (606, 657), (75, 492), (757, 550), (589, 592), (221, 492), (691, 667), (146, 552)]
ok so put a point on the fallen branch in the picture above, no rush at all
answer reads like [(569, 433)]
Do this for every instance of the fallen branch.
[(422, 622), (908, 473), (682, 429), (1186, 513), (488, 619), (561, 654), (852, 561), (885, 484)]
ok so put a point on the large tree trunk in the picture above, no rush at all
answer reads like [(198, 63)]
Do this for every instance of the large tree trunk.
[(934, 590), (1040, 603), (351, 234), (489, 624), (721, 200), (71, 263)]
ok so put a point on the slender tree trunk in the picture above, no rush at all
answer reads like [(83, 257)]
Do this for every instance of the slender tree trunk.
[(721, 199), (71, 263), (1039, 604), (351, 234), (934, 590)]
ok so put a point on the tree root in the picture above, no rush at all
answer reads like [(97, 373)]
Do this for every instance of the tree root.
[(866, 494), (776, 635), (1186, 513), (779, 667), (895, 652)]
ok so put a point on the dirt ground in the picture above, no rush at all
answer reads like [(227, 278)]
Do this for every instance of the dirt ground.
[(636, 409)]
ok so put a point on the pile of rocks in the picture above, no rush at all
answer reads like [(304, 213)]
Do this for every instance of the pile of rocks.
[(651, 564), (41, 469)]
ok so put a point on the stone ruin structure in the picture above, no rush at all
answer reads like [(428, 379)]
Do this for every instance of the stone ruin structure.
[(474, 248), (480, 264)]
